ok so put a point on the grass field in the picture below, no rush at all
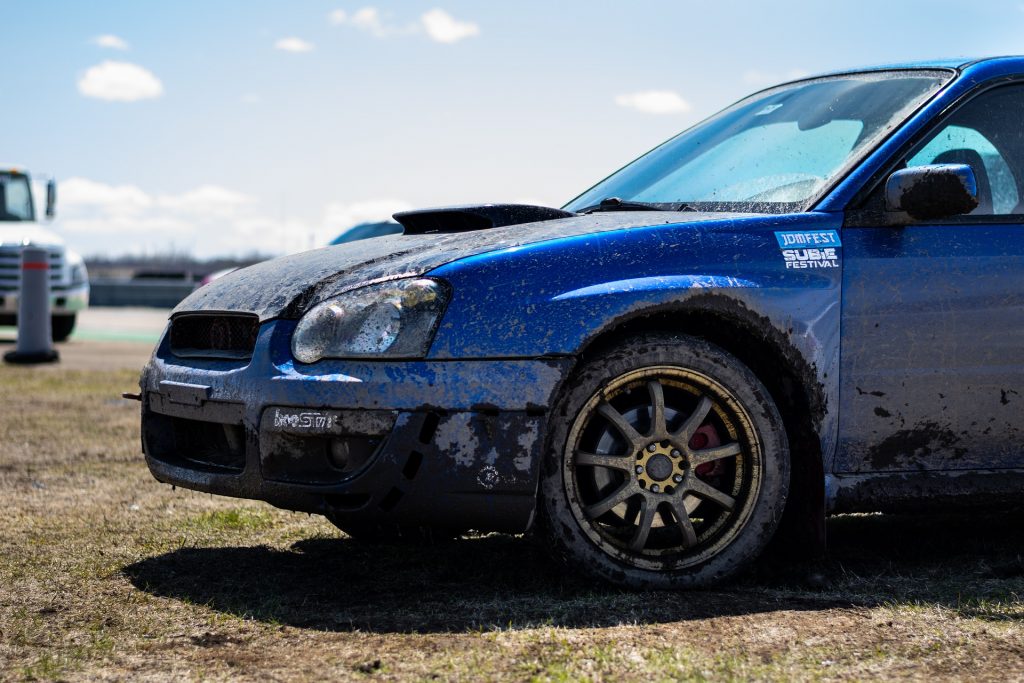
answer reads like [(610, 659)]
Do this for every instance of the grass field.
[(105, 573)]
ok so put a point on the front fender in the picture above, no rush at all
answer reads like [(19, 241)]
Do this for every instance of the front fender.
[(554, 298)]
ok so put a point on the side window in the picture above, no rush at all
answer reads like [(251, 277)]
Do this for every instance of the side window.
[(985, 134)]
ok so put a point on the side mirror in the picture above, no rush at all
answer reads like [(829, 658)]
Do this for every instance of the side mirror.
[(51, 198), (930, 192)]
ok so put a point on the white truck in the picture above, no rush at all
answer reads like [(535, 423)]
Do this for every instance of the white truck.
[(69, 281)]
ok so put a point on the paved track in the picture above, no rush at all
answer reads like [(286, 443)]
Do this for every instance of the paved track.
[(106, 338)]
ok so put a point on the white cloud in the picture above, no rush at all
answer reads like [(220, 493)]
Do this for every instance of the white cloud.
[(205, 199), (111, 41), (654, 102), (293, 44), (766, 78), (101, 218), (119, 82), (369, 20), (437, 24), (444, 28), (82, 192), (208, 220)]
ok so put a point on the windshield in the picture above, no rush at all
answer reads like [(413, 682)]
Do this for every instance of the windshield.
[(15, 198), (774, 151)]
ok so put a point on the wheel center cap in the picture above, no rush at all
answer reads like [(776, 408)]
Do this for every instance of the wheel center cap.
[(659, 467)]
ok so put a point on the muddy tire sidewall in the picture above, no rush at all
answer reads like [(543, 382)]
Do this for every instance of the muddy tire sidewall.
[(560, 527)]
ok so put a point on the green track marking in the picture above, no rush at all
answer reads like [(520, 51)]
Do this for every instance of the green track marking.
[(99, 335)]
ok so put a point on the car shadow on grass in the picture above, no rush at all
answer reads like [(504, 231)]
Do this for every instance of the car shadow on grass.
[(970, 563)]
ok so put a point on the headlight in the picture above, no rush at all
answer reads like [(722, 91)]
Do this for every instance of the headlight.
[(79, 276), (393, 319)]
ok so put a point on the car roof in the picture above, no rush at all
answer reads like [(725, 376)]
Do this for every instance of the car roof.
[(948, 63), (1012, 62)]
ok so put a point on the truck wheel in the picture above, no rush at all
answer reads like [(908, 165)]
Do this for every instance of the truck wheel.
[(62, 326), (667, 466)]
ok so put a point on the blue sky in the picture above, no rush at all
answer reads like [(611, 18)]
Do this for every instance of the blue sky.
[(225, 127)]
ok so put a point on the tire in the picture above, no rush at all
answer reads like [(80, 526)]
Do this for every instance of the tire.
[(62, 326), (617, 480)]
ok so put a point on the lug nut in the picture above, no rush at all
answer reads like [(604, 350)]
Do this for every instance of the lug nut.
[(651, 448), (639, 469), (675, 453), (678, 478), (655, 488)]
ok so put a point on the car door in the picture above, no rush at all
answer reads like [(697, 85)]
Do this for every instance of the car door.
[(932, 368)]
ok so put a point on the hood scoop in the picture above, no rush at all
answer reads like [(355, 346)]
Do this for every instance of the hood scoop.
[(447, 219)]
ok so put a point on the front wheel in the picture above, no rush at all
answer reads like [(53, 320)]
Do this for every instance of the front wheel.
[(670, 468), (62, 326)]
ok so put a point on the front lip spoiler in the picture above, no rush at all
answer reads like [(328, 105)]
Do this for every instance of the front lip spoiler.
[(455, 470)]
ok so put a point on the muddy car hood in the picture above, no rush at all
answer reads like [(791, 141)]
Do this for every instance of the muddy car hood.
[(287, 286)]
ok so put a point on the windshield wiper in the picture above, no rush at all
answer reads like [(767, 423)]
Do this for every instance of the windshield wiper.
[(616, 204)]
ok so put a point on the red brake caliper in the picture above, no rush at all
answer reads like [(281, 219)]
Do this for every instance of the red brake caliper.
[(706, 437)]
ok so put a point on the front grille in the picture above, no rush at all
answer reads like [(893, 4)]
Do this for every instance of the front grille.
[(10, 268), (195, 444), (214, 335)]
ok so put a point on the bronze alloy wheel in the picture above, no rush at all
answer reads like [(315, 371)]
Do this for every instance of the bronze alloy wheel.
[(671, 469), (664, 466)]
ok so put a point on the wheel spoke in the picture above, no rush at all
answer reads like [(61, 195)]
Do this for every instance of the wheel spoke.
[(707, 455), (615, 462), (643, 529), (683, 521), (695, 420), (704, 490), (617, 496), (633, 509), (658, 428), (619, 422)]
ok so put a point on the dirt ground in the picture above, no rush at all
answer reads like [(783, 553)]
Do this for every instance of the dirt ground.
[(106, 574)]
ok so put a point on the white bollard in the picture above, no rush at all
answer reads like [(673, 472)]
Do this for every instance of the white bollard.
[(35, 341)]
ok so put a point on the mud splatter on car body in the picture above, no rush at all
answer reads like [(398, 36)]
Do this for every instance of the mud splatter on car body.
[(840, 308)]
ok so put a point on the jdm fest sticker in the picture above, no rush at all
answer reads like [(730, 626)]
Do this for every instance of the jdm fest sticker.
[(809, 248)]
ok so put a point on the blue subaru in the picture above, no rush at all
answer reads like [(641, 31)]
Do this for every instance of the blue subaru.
[(810, 303)]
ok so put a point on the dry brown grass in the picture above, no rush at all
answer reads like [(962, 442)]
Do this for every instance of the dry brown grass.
[(105, 573)]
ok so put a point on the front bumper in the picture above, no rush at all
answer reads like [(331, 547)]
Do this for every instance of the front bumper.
[(453, 444), (63, 300)]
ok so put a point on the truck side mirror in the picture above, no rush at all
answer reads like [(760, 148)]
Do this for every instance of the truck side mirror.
[(931, 192), (51, 198)]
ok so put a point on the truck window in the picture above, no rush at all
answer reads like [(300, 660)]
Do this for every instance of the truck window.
[(15, 198)]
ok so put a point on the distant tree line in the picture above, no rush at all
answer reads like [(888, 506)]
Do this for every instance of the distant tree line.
[(166, 265)]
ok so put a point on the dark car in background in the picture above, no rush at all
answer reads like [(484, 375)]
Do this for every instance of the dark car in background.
[(365, 231)]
